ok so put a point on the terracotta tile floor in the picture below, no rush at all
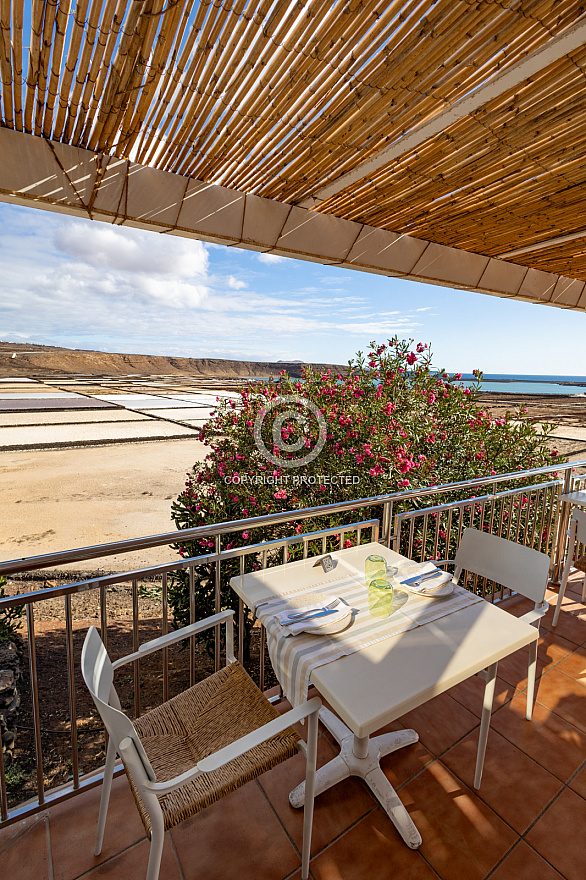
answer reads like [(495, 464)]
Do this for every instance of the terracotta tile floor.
[(527, 820)]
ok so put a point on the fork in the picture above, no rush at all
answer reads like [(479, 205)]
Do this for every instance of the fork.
[(303, 615), (415, 582)]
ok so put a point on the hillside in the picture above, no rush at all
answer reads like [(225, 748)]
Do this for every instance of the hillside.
[(45, 360)]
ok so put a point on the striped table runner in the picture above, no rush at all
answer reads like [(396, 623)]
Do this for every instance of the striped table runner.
[(294, 658)]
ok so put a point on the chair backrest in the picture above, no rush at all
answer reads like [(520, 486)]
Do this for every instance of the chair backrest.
[(98, 674), (579, 517), (511, 565)]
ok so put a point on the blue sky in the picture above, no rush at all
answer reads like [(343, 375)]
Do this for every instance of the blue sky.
[(84, 284)]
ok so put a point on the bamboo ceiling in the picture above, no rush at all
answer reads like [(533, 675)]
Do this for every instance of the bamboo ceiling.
[(281, 98)]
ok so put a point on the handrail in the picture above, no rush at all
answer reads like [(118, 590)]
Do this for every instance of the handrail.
[(95, 551), (90, 583)]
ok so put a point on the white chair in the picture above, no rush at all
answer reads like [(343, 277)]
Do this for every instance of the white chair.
[(199, 746), (522, 569), (576, 532)]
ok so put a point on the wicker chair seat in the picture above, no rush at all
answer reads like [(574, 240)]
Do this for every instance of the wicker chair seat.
[(198, 722)]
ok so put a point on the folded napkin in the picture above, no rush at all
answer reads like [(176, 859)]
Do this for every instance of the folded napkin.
[(294, 627), (428, 586)]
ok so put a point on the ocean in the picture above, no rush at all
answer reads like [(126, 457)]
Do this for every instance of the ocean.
[(510, 383), (515, 383)]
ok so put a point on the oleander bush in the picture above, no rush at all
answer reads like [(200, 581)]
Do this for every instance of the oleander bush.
[(390, 421)]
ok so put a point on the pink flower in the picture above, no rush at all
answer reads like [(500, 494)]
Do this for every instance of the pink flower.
[(411, 357), (281, 494), (245, 535), (403, 484)]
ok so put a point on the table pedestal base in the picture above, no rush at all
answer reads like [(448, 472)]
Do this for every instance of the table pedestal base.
[(360, 756)]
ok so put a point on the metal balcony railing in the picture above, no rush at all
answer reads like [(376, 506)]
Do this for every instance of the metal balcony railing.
[(522, 506)]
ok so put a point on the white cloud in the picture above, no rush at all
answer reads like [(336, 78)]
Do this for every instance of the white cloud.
[(377, 329), (91, 285), (131, 250), (235, 283), (270, 258), (425, 309)]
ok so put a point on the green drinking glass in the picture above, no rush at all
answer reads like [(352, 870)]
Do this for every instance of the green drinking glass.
[(380, 598), (375, 568)]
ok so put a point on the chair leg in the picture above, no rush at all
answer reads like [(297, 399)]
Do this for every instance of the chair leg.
[(531, 679), (485, 722), (157, 841), (105, 797), (565, 576), (310, 758)]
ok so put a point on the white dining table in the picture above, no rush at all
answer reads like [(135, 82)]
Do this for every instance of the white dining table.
[(376, 685)]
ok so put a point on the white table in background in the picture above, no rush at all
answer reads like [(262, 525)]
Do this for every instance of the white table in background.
[(378, 684)]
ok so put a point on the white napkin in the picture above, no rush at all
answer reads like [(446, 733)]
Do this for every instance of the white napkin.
[(429, 585), (293, 628)]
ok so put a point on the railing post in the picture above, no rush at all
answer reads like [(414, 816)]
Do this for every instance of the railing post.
[(563, 516), (395, 536), (387, 519)]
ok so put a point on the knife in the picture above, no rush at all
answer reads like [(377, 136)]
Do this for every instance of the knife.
[(308, 617), (418, 578)]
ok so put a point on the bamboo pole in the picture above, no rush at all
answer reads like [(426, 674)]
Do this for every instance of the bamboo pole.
[(169, 82), (58, 42), (174, 86), (17, 26), (44, 61), (88, 52), (107, 37), (111, 92), (188, 108), (6, 63), (37, 16), (240, 79), (129, 68), (76, 36), (134, 117)]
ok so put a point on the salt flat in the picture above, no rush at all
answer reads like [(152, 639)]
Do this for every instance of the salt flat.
[(22, 437), (62, 488), (180, 415), (69, 417)]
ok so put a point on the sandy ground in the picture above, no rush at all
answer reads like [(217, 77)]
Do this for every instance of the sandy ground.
[(567, 413), (64, 499)]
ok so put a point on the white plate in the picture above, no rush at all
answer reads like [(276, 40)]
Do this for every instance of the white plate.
[(335, 622), (444, 590)]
